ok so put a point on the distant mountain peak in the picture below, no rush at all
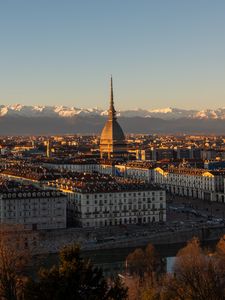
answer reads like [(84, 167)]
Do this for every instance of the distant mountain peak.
[(161, 110)]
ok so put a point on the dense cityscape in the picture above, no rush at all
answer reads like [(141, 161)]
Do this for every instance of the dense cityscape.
[(112, 192), (112, 150)]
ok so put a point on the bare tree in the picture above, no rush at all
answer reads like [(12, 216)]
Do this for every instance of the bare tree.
[(144, 265), (136, 262), (153, 263), (13, 261), (198, 275)]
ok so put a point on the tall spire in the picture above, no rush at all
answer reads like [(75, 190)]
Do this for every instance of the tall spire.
[(112, 111)]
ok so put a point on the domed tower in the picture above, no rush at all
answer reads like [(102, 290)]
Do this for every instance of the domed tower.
[(112, 141)]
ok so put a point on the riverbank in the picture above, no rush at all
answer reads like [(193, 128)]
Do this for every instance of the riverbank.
[(129, 237)]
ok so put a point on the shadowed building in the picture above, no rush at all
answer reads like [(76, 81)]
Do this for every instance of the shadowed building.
[(112, 141)]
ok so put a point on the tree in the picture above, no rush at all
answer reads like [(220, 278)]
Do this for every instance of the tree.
[(220, 247), (145, 262), (198, 275), (13, 261), (152, 260), (144, 266), (136, 262), (73, 279)]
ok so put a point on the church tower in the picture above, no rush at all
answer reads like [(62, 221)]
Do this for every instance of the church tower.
[(112, 141)]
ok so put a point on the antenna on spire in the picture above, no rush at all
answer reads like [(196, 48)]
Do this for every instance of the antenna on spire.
[(111, 95)]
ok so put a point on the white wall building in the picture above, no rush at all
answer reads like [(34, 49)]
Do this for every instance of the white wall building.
[(33, 208), (109, 202), (196, 183), (133, 169), (78, 166), (137, 170), (114, 208)]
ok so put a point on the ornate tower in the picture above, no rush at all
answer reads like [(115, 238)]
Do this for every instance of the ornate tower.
[(112, 141)]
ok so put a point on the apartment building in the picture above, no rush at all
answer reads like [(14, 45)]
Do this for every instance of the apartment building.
[(96, 200), (190, 182), (31, 207)]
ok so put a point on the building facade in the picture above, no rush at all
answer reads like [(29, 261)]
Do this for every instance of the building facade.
[(100, 200), (108, 209), (31, 207), (190, 182), (76, 166)]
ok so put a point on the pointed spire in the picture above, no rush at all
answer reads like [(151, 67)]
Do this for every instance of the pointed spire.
[(112, 112), (111, 95)]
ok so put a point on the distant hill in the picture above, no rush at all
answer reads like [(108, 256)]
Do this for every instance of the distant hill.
[(21, 125)]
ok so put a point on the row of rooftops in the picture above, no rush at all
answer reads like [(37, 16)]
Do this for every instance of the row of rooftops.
[(135, 164), (31, 172), (10, 189), (71, 161), (140, 164), (43, 174), (129, 164), (99, 183), (193, 171)]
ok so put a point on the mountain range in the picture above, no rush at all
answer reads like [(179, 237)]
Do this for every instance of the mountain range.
[(68, 112), (21, 119)]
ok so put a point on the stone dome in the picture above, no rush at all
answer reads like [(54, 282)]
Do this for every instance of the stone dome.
[(112, 132)]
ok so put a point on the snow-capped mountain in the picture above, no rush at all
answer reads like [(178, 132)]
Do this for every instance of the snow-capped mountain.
[(68, 112), (46, 111)]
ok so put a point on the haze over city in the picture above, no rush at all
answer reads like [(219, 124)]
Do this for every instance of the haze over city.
[(161, 53)]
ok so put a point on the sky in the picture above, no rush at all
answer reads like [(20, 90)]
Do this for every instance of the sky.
[(161, 53)]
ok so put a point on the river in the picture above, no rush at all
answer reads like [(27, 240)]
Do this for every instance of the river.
[(112, 261)]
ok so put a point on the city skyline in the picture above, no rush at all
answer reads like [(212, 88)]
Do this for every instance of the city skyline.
[(160, 54), (112, 149)]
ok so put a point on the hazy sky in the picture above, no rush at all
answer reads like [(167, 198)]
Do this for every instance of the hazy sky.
[(161, 53)]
